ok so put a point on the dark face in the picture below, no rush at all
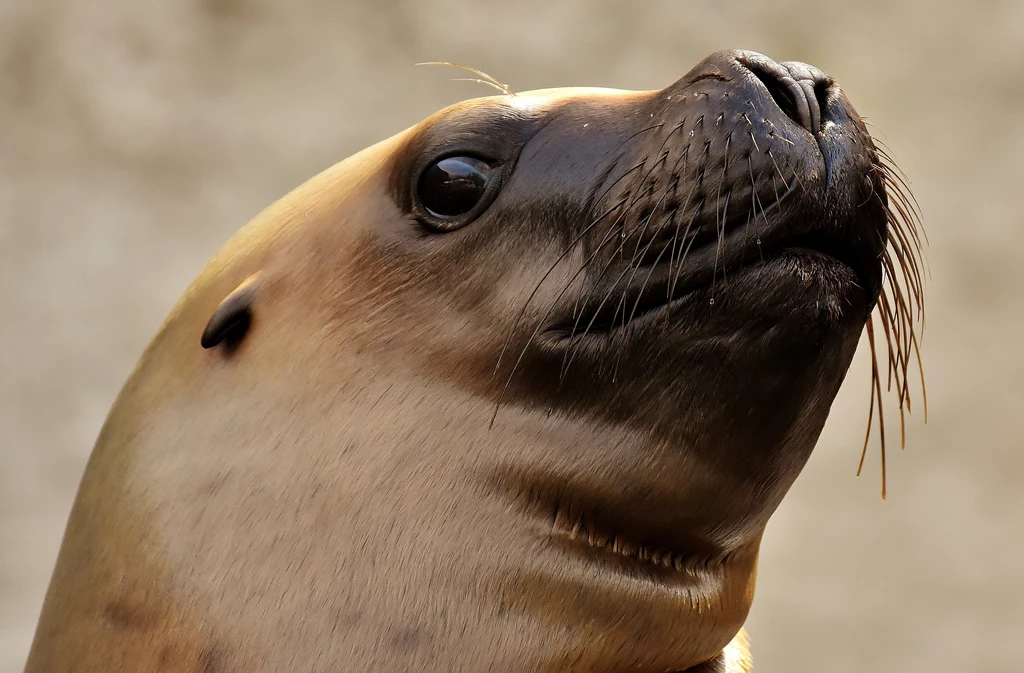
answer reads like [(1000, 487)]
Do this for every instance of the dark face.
[(696, 263)]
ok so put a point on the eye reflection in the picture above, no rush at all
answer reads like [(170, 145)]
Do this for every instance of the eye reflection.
[(454, 186)]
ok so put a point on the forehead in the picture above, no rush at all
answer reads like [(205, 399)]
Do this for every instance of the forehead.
[(498, 128), (511, 119), (528, 103)]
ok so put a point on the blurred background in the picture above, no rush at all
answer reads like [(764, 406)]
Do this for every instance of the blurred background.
[(137, 135)]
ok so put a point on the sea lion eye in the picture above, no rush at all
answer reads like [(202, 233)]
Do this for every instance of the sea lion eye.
[(453, 188)]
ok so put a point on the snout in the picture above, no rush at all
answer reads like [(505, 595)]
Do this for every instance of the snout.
[(747, 160), (800, 91)]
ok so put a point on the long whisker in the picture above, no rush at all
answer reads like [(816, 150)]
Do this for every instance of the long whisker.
[(900, 306), (577, 313), (533, 335), (536, 289), (484, 77)]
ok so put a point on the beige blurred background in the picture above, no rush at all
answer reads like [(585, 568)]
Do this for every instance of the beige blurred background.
[(137, 135)]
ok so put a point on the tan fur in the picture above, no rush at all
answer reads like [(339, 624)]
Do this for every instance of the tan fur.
[(324, 499)]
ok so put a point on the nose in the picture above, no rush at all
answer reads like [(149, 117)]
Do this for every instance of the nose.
[(798, 89)]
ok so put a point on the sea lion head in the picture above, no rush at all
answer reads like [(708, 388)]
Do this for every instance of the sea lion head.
[(517, 387), (696, 264)]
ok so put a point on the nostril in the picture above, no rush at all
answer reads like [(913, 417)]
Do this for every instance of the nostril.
[(800, 95), (821, 88), (820, 100), (781, 94)]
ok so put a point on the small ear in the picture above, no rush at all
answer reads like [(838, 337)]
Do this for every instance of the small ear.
[(230, 322)]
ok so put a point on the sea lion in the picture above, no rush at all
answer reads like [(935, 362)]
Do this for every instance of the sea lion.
[(516, 389)]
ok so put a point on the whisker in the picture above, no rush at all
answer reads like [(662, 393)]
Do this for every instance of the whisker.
[(577, 317), (529, 342), (901, 303), (565, 253), (679, 270), (877, 396), (871, 404), (484, 77)]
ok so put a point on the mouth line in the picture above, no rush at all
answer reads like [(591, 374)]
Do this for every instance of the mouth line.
[(662, 288)]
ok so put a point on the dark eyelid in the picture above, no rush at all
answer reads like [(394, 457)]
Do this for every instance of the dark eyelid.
[(495, 134)]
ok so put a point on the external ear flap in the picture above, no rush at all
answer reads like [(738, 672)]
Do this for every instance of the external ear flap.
[(230, 322)]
